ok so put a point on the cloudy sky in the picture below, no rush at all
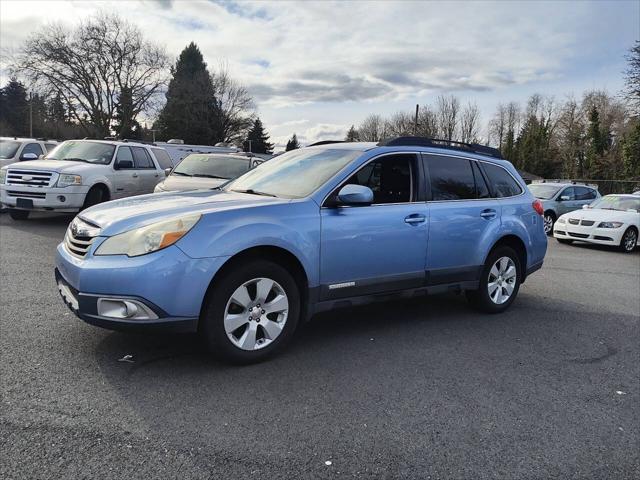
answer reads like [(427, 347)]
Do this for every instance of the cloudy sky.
[(316, 68)]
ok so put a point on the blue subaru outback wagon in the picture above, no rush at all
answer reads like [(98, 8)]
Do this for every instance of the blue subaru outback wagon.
[(329, 225)]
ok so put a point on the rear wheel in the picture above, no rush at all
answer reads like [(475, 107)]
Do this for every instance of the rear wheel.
[(549, 219), (252, 312), (629, 240), (18, 214), (499, 281)]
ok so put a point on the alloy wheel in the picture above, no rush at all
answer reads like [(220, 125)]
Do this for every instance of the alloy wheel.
[(502, 280), (630, 240), (548, 224), (256, 313)]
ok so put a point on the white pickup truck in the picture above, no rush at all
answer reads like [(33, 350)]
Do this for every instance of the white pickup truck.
[(80, 173)]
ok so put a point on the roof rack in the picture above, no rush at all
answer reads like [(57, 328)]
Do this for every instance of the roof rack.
[(440, 143), (325, 142)]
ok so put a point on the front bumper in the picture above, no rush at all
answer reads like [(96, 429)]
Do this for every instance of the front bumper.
[(168, 282), (592, 234), (67, 199)]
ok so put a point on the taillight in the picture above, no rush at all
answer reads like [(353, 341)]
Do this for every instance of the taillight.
[(537, 206)]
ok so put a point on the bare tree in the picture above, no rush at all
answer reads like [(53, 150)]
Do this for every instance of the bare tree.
[(427, 122), (91, 65), (470, 123), (498, 126), (632, 77), (372, 129), (448, 110), (400, 124), (234, 111)]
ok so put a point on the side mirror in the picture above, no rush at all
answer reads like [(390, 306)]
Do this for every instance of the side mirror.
[(564, 198), (167, 171), (28, 156), (123, 164), (356, 195), (586, 206)]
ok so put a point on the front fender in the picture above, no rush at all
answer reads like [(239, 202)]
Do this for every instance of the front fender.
[(103, 180), (294, 227)]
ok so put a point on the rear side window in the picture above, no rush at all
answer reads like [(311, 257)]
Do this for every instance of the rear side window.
[(142, 158), (583, 193), (451, 178), (163, 158), (124, 155), (503, 184)]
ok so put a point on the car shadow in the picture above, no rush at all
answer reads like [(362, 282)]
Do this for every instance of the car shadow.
[(601, 248), (39, 223)]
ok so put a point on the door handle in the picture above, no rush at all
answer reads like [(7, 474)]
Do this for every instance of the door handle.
[(488, 214), (134, 175), (414, 219)]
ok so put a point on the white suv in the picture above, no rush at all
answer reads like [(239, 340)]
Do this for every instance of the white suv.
[(14, 149), (80, 173)]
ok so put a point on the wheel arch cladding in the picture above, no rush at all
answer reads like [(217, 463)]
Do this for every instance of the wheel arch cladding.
[(104, 187), (279, 255), (516, 243)]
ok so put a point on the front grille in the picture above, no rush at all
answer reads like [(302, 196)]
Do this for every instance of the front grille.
[(579, 235), (80, 236), (574, 221), (587, 223), (13, 193), (32, 178)]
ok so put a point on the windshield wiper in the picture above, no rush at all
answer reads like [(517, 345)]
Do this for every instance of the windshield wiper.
[(180, 173), (204, 175), (255, 192), (74, 159)]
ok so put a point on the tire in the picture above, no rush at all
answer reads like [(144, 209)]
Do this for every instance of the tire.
[(629, 240), (500, 261), (242, 330), (548, 220), (18, 214), (95, 195), (566, 242)]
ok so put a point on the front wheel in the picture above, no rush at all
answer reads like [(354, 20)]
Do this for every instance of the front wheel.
[(499, 282), (252, 311), (18, 214), (94, 196), (548, 220), (629, 240)]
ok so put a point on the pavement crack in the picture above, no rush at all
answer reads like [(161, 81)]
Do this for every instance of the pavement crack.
[(585, 361)]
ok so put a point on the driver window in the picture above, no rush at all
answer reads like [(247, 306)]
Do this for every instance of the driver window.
[(390, 178), (568, 192)]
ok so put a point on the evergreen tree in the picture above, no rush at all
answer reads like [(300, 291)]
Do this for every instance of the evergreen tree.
[(14, 114), (292, 144), (631, 152), (191, 102), (352, 135), (257, 140), (126, 125), (597, 143)]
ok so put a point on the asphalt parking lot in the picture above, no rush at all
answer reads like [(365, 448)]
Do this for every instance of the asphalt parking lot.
[(424, 389)]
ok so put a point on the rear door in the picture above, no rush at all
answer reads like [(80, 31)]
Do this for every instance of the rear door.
[(380, 247), (463, 218)]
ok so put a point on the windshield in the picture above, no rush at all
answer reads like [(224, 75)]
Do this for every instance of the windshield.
[(295, 174), (83, 151), (617, 202), (214, 166), (8, 148), (542, 191)]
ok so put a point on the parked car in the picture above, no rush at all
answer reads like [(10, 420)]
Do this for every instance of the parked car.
[(313, 229), (560, 198), (14, 149), (200, 170), (178, 150), (612, 220), (80, 173)]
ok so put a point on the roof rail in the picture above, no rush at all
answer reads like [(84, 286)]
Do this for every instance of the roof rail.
[(440, 143), (137, 141), (325, 142)]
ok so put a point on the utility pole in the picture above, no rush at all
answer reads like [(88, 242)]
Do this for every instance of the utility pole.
[(415, 123), (30, 114), (153, 133)]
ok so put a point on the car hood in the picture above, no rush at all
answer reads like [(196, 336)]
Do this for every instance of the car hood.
[(60, 166), (601, 215), (176, 183), (122, 215)]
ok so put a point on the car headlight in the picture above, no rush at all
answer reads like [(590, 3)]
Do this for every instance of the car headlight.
[(562, 220), (148, 239), (159, 188), (66, 180), (610, 225), (3, 176)]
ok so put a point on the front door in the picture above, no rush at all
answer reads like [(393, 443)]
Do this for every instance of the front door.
[(381, 247), (463, 217)]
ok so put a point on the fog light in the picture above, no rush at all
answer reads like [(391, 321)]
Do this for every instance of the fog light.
[(124, 309), (62, 198)]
